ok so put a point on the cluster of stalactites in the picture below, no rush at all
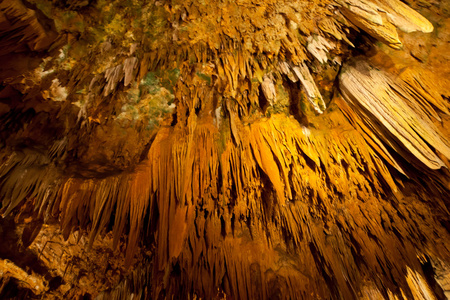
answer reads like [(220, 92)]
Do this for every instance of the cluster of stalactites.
[(213, 178), (234, 38)]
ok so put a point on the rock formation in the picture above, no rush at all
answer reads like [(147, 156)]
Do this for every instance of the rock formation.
[(225, 149)]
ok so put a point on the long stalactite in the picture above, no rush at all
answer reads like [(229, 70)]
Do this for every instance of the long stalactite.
[(227, 149)]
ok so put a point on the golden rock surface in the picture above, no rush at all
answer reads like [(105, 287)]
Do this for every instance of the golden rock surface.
[(225, 149)]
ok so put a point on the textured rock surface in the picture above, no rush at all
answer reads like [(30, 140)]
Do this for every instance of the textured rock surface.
[(225, 149)]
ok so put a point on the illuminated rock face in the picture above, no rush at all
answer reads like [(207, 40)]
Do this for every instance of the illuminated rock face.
[(233, 149)]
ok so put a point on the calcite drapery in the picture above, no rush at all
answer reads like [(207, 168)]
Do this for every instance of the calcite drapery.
[(190, 129), (394, 105)]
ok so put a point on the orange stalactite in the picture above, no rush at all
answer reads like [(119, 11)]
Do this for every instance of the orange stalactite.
[(229, 149)]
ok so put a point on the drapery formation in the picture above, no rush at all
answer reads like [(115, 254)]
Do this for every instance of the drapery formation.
[(248, 149)]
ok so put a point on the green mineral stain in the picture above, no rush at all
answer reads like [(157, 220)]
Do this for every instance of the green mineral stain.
[(150, 83), (204, 77)]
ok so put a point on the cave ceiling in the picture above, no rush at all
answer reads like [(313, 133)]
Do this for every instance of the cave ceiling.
[(225, 149)]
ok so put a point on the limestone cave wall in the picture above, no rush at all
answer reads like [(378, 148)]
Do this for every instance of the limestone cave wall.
[(224, 150)]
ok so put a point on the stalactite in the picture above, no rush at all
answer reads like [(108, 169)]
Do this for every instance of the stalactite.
[(251, 150)]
